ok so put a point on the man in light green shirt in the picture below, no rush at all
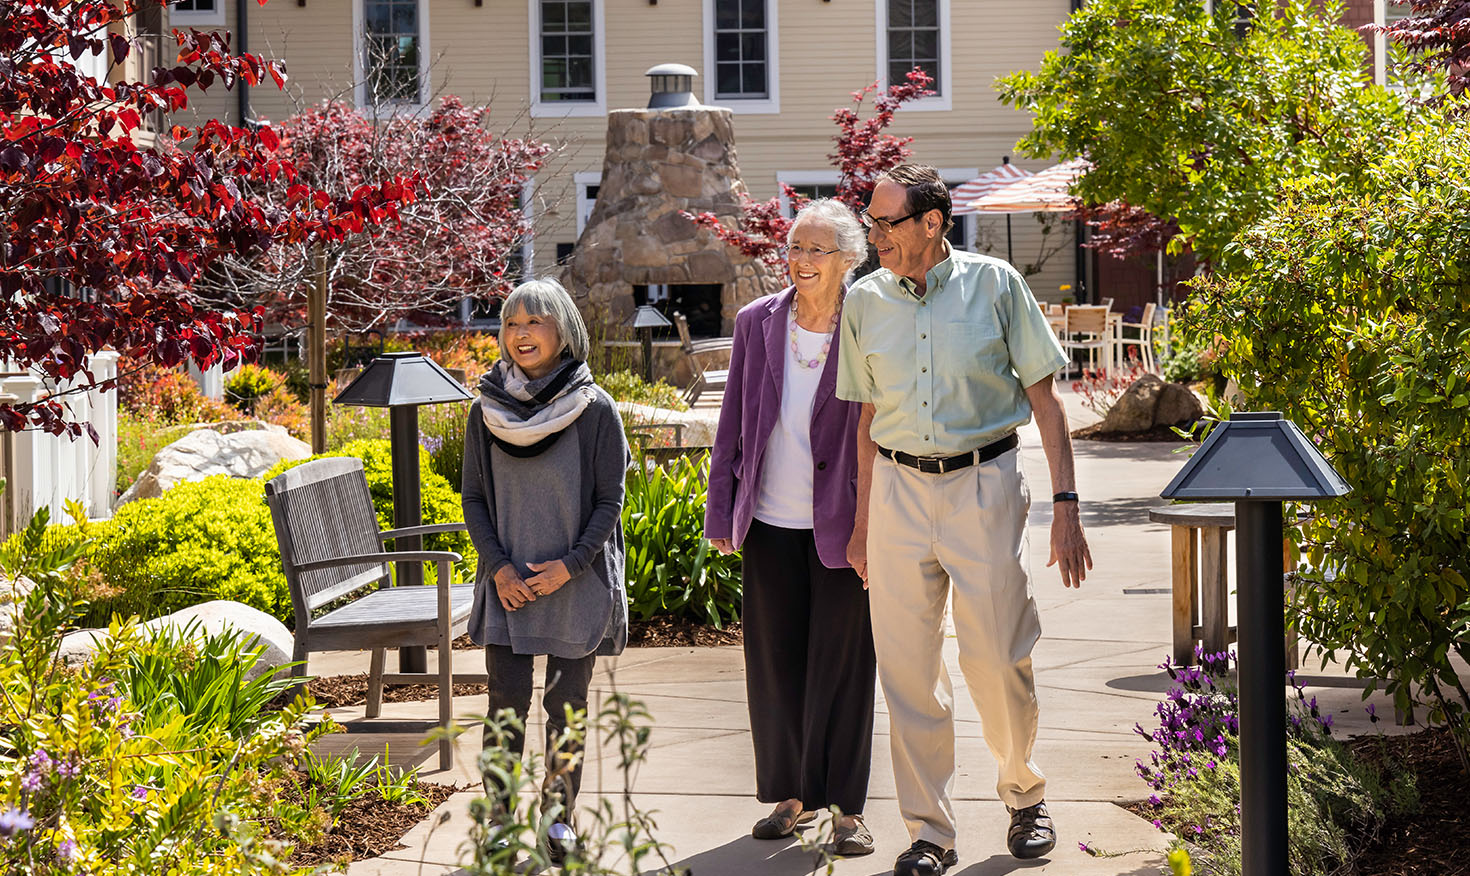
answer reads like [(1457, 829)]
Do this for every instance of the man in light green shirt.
[(949, 353)]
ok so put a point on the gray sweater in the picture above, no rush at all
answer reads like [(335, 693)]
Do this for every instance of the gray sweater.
[(565, 503)]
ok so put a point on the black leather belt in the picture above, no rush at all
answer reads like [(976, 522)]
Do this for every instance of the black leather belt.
[(943, 464)]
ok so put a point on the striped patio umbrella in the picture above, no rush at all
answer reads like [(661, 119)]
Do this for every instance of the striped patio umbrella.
[(1049, 191), (984, 184)]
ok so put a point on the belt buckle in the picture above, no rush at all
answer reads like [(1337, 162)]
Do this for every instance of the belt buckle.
[(930, 465)]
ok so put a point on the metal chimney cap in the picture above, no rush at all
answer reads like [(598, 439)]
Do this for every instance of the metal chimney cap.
[(673, 86)]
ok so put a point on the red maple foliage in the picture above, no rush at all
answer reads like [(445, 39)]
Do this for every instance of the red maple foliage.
[(1437, 35), (863, 153), (84, 207), (459, 237), (1123, 231)]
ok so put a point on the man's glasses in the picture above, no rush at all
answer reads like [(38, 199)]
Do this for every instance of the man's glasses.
[(887, 224), (796, 252)]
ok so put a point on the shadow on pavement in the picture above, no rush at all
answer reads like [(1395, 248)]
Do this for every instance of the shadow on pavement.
[(747, 855), (1156, 682)]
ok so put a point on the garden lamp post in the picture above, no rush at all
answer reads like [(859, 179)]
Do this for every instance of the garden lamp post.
[(645, 319), (1257, 460), (401, 382)]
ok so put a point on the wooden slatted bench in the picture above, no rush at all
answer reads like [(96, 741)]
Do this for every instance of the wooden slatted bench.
[(331, 549)]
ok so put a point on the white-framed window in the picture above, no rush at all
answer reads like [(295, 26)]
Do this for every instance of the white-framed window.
[(1385, 13), (742, 68), (196, 13), (568, 58), (391, 56), (915, 33), (587, 182)]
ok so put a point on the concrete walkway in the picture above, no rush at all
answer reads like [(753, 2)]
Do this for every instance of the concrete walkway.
[(1096, 671)]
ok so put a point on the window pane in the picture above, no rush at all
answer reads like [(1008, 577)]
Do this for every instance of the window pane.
[(753, 47), (727, 14), (753, 80), (900, 13), (553, 17), (727, 79), (753, 14), (580, 45), (553, 46), (900, 46), (925, 13), (579, 73), (377, 18), (727, 47), (405, 18), (926, 44), (898, 72)]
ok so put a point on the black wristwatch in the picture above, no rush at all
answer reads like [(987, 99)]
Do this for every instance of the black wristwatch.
[(1068, 496)]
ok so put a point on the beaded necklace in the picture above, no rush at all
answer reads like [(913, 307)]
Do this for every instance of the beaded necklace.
[(826, 344)]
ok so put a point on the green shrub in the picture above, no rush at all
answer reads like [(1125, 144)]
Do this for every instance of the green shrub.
[(200, 540), (1352, 318), (672, 569), (627, 386), (249, 383)]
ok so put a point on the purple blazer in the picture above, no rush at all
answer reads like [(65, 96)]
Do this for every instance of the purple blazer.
[(748, 414)]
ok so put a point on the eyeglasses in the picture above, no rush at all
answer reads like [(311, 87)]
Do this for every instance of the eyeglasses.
[(796, 252), (887, 224)]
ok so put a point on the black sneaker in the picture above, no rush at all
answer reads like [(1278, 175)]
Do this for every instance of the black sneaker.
[(1031, 834), (923, 858)]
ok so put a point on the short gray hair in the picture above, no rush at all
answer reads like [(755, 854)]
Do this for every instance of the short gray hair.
[(549, 298), (852, 238)]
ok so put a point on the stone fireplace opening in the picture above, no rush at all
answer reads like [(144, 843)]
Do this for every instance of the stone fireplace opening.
[(699, 302)]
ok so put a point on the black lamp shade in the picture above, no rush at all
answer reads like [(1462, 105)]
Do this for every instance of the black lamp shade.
[(397, 379), (1256, 456), (647, 316)]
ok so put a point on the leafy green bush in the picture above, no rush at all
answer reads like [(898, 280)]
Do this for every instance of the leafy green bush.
[(200, 540), (249, 383), (1352, 317), (672, 569), (627, 386)]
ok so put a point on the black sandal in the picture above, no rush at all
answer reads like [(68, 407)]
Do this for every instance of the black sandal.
[(779, 826), (1031, 834), (924, 858)]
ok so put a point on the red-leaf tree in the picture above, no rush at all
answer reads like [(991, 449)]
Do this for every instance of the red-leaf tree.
[(97, 233), (863, 153), (1437, 35), (458, 238)]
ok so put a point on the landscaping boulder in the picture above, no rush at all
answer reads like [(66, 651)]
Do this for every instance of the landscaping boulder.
[(248, 453), (13, 595), (210, 619), (1134, 409), (1152, 403)]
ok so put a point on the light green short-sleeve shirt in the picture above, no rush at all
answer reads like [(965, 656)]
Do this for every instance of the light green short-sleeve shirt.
[(946, 373)]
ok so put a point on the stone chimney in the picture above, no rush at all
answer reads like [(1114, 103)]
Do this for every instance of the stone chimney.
[(673, 156)]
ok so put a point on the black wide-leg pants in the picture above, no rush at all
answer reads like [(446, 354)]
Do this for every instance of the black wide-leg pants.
[(809, 672)]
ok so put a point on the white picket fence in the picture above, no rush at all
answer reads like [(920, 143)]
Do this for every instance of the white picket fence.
[(43, 471)]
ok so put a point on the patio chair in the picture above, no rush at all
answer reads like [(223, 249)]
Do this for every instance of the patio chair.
[(1144, 340), (332, 550), (1086, 328), (697, 352)]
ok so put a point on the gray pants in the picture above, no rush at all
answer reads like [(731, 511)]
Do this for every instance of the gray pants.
[(511, 683)]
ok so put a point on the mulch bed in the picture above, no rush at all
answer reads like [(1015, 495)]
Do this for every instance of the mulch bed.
[(1095, 433), (369, 827), (1435, 840), (1431, 842)]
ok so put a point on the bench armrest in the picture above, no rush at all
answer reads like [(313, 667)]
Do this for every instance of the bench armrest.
[(382, 557), (426, 529)]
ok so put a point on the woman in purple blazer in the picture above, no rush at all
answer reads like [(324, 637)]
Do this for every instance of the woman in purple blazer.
[(782, 487)]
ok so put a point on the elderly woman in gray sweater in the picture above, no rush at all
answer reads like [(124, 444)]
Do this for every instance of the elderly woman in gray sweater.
[(544, 462)]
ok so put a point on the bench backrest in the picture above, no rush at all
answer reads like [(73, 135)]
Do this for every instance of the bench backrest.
[(681, 325), (322, 509)]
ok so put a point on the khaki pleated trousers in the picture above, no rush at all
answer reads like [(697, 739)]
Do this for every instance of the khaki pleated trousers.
[(928, 534)]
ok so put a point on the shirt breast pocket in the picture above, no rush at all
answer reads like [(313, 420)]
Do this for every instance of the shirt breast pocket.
[(965, 343)]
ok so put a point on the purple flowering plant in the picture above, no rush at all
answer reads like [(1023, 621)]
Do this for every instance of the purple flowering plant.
[(1194, 772)]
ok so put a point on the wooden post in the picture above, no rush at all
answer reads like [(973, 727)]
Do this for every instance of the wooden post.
[(316, 352)]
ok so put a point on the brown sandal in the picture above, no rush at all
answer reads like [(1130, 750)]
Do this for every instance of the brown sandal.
[(778, 825), (853, 840)]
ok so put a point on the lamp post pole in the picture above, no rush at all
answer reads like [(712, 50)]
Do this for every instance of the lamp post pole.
[(403, 433), (1262, 664)]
